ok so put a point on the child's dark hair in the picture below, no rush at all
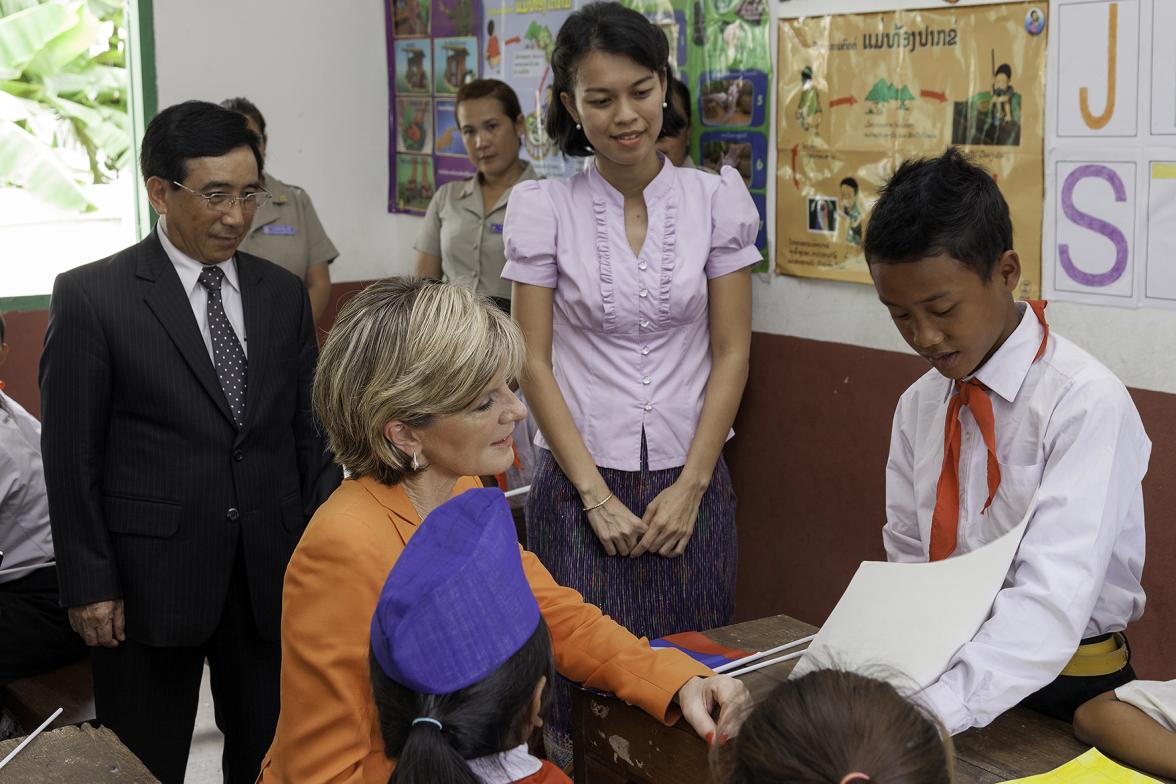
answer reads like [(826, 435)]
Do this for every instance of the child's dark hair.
[(3, 327), (491, 88), (604, 27), (851, 182), (484, 718), (829, 723), (940, 205)]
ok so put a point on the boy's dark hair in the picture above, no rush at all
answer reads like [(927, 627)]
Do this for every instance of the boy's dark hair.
[(3, 327), (249, 109), (193, 129), (1005, 69), (490, 27), (490, 88), (940, 205), (678, 88), (829, 723), (604, 27), (485, 718), (851, 182)]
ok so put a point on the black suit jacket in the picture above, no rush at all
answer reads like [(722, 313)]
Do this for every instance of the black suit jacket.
[(152, 487)]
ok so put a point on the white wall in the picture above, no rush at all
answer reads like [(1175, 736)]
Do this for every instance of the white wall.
[(318, 72)]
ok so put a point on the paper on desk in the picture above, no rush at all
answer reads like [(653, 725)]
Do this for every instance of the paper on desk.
[(1091, 768), (905, 621)]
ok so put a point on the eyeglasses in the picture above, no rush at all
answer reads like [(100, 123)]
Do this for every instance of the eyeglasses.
[(225, 202)]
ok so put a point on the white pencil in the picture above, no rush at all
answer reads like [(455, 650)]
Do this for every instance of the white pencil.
[(761, 654), (517, 491), (29, 739), (768, 663)]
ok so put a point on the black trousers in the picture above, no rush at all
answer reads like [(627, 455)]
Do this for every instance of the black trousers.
[(35, 636), (1062, 697), (149, 695)]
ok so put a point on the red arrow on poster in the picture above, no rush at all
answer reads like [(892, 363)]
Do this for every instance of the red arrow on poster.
[(795, 179), (848, 100), (932, 94), (512, 40)]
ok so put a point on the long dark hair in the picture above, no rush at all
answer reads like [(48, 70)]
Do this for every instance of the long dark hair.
[(604, 27), (830, 723), (485, 718)]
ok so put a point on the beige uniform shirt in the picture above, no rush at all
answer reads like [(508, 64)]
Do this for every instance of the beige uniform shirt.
[(287, 230), (468, 241)]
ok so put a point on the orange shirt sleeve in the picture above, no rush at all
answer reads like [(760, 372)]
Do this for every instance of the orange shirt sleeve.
[(592, 649), (328, 729)]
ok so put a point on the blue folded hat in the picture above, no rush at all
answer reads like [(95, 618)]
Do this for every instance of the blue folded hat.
[(456, 605)]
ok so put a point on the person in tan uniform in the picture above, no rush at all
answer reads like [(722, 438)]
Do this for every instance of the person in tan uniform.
[(411, 388), (287, 230), (461, 236)]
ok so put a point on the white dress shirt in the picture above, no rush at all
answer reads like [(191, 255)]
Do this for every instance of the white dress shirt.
[(1066, 428), (507, 767), (25, 538), (189, 271)]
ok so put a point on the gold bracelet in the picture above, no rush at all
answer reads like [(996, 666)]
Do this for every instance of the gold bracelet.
[(597, 506)]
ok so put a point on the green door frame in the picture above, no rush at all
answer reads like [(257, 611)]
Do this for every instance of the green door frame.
[(144, 104)]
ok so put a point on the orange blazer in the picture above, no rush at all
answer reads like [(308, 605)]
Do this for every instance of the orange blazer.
[(328, 730)]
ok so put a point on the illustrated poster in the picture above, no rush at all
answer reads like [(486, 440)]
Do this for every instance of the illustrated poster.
[(859, 93)]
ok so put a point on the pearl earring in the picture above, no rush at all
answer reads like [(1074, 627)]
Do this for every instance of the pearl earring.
[(578, 128), (664, 104)]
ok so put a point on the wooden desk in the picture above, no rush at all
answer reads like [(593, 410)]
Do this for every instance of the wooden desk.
[(74, 755), (618, 744)]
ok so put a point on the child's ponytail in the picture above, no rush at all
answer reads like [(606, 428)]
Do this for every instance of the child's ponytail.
[(426, 756)]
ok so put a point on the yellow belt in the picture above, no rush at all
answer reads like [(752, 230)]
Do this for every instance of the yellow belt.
[(1098, 658)]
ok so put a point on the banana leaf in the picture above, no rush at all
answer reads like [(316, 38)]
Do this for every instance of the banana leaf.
[(25, 33), (68, 46), (29, 164)]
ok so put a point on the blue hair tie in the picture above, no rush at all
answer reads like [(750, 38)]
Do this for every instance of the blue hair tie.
[(427, 720)]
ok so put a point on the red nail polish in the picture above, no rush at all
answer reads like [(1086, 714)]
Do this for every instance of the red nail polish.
[(710, 738)]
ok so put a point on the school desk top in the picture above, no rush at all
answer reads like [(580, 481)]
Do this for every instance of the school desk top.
[(617, 744), (74, 755)]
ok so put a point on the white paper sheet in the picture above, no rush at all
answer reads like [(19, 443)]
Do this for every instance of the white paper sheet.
[(903, 622)]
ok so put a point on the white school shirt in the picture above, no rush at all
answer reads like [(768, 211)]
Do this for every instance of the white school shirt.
[(189, 271), (25, 538), (1155, 698), (1066, 428)]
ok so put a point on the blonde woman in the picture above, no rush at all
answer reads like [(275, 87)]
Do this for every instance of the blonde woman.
[(412, 390)]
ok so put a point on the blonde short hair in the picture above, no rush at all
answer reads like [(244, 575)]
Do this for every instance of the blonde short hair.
[(411, 350)]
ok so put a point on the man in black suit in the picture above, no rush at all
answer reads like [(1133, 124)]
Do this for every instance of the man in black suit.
[(180, 454)]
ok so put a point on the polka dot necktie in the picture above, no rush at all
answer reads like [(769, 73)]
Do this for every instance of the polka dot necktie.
[(228, 356)]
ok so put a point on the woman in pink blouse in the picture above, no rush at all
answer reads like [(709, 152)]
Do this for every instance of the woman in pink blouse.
[(632, 285)]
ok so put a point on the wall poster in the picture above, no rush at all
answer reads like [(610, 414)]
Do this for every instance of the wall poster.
[(719, 48), (859, 93), (1110, 208)]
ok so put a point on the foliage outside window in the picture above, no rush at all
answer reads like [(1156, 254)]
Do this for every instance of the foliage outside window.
[(64, 122)]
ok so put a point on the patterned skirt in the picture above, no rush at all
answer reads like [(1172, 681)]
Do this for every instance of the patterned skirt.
[(651, 596)]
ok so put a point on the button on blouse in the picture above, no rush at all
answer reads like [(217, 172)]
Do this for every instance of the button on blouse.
[(631, 332)]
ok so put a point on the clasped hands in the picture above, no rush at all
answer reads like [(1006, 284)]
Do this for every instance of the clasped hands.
[(664, 529)]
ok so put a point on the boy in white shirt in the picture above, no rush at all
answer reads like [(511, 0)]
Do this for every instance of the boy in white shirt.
[(1008, 411)]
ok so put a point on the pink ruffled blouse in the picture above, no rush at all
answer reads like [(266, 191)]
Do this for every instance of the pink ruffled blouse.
[(631, 334)]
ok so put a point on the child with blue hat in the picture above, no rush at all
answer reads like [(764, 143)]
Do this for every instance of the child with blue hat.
[(460, 657)]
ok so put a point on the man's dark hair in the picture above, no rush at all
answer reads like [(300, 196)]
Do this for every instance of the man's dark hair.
[(249, 109), (1004, 69), (678, 88), (604, 27), (940, 205), (193, 129), (851, 182)]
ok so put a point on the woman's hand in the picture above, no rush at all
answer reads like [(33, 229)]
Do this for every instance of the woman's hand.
[(617, 528), (669, 520), (698, 698)]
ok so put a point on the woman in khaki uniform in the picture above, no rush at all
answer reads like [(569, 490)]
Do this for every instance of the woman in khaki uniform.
[(287, 230), (461, 238)]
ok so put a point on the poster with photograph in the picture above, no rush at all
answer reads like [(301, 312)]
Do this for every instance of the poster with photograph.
[(859, 93)]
